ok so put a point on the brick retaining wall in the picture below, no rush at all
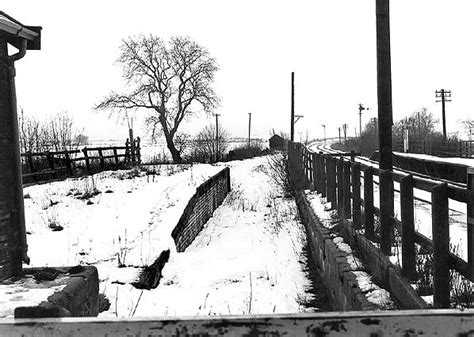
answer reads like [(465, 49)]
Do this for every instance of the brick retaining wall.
[(200, 207)]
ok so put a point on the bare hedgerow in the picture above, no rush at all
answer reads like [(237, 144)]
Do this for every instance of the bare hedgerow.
[(278, 172)]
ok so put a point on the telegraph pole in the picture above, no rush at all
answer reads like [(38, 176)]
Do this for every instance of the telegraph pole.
[(361, 108), (384, 84), (217, 137), (250, 123), (324, 127), (344, 127), (384, 105), (445, 96), (339, 134), (292, 122)]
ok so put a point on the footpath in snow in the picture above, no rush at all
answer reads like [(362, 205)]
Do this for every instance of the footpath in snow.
[(248, 259)]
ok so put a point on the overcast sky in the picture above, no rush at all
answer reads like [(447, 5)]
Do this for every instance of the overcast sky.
[(330, 45)]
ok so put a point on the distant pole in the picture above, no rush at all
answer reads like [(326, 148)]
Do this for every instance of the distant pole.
[(445, 96), (324, 127), (361, 108), (250, 123), (344, 128), (292, 122), (217, 137), (384, 84), (339, 134)]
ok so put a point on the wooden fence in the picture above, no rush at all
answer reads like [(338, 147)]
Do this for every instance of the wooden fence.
[(54, 164), (452, 148), (349, 186)]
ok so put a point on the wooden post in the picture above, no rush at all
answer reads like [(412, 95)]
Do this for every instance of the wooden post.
[(50, 159), (323, 174), (470, 218), (116, 158), (101, 158), (87, 160), (331, 170), (386, 212), (339, 175), (315, 171), (29, 158), (356, 200), (68, 164), (408, 227), (292, 117), (369, 202), (346, 194), (440, 228), (127, 151)]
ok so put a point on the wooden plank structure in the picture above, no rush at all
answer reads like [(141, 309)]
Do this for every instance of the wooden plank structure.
[(374, 323)]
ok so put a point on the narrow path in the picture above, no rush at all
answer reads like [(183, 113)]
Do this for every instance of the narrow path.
[(249, 258)]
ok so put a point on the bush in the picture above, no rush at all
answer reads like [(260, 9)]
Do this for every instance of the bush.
[(245, 152)]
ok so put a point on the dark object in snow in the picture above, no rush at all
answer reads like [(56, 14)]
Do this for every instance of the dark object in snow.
[(150, 276), (104, 303), (109, 191), (56, 228), (46, 274), (89, 202), (76, 269), (45, 310)]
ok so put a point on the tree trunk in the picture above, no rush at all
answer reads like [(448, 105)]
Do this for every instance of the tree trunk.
[(175, 154)]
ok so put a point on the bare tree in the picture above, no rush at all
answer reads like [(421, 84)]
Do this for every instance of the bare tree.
[(205, 147), (468, 125), (58, 133), (172, 80)]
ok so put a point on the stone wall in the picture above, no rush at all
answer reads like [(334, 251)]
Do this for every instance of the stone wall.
[(79, 298), (339, 280), (200, 207), (335, 271)]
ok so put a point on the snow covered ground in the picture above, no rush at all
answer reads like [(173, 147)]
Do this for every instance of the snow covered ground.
[(248, 259)]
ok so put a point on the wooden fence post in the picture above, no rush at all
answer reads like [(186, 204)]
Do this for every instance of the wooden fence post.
[(369, 203), (408, 227), (50, 159), (346, 194), (101, 158), (87, 160), (68, 164), (440, 228), (116, 158), (356, 203), (323, 174), (138, 151), (339, 174), (315, 171), (127, 152), (386, 212), (470, 218), (331, 171), (29, 158)]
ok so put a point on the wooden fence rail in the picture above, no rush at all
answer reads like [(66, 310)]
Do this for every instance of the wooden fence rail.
[(43, 165), (349, 186), (450, 148)]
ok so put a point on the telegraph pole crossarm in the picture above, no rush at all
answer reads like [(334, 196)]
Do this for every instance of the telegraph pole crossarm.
[(445, 96)]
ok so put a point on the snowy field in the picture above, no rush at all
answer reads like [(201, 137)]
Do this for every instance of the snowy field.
[(248, 259)]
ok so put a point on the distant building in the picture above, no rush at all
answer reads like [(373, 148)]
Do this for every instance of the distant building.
[(278, 143)]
